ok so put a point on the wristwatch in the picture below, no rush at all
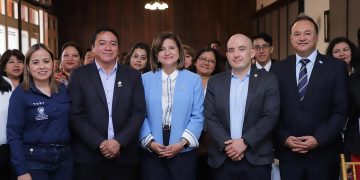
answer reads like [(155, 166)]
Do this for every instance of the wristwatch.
[(185, 143)]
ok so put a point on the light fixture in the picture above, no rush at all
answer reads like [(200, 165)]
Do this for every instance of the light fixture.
[(156, 5)]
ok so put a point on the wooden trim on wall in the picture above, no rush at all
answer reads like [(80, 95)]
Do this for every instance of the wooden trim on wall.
[(272, 7), (347, 19)]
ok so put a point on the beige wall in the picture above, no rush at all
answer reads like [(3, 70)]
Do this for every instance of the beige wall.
[(316, 9)]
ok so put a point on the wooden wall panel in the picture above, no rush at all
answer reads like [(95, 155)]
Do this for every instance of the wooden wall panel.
[(262, 24), (354, 16), (283, 29), (293, 13), (196, 22), (338, 18), (274, 33)]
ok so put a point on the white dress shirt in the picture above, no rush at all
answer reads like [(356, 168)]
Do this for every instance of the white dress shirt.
[(4, 105), (266, 67)]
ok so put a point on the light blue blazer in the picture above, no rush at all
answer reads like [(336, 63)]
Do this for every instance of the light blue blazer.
[(187, 110)]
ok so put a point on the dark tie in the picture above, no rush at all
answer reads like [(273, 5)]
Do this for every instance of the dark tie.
[(303, 79)]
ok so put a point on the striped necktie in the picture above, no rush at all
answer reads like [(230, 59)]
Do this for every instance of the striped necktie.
[(303, 78)]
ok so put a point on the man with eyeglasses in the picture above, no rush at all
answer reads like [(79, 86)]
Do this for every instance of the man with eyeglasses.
[(263, 47)]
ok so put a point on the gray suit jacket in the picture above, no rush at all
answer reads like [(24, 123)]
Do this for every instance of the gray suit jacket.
[(261, 114)]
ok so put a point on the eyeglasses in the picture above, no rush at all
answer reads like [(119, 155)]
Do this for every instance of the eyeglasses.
[(263, 47), (210, 61)]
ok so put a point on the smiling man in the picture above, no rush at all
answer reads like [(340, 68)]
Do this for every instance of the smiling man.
[(241, 110), (314, 103), (108, 108)]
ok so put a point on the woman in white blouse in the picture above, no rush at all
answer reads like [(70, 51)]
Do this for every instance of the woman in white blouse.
[(5, 93), (174, 113)]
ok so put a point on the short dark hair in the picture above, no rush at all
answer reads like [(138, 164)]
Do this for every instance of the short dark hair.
[(214, 41), (104, 29), (72, 44), (217, 55), (157, 45), (6, 57), (261, 35), (304, 17)]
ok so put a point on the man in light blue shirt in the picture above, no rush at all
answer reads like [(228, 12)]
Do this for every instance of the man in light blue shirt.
[(241, 110)]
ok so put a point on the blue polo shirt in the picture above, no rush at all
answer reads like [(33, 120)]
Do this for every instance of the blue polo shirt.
[(35, 118)]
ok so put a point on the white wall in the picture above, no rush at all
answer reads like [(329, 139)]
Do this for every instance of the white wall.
[(315, 9), (263, 3)]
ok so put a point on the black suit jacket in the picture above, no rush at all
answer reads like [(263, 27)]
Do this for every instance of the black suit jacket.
[(261, 114), (322, 113), (89, 118), (352, 133)]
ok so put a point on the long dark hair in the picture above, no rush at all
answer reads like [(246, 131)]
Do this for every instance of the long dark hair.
[(355, 61), (4, 85)]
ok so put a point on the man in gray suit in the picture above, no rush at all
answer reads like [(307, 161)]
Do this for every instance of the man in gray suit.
[(241, 110)]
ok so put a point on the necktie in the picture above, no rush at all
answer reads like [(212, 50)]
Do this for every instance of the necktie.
[(303, 79)]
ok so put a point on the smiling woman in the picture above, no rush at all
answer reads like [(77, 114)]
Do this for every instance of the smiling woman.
[(70, 60), (37, 126), (12, 66)]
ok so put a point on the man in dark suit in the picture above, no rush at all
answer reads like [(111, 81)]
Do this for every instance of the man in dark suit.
[(108, 108), (314, 105), (241, 110), (262, 43)]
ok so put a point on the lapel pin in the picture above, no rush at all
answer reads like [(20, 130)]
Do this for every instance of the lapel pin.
[(255, 75), (119, 84), (321, 62)]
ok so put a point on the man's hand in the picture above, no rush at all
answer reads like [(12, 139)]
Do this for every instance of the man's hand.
[(24, 177), (309, 141), (301, 144), (235, 149), (110, 148)]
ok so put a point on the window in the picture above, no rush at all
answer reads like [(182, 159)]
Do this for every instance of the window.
[(2, 7), (34, 16), (24, 41), (12, 9), (2, 39), (13, 38), (24, 13)]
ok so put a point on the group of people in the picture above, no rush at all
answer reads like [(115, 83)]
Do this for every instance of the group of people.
[(164, 112)]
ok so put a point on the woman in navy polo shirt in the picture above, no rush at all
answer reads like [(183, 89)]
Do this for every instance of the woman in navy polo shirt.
[(37, 128)]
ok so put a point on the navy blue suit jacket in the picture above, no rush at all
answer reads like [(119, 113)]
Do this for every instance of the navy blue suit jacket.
[(90, 116), (322, 113)]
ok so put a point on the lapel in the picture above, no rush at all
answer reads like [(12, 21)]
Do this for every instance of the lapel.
[(226, 94), (315, 77), (120, 82), (96, 80), (253, 82)]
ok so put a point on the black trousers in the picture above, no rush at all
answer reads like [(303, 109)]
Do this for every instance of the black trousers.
[(105, 170), (5, 169), (242, 170), (181, 167), (301, 170)]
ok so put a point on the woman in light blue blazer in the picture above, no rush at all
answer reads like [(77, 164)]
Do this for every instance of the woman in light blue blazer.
[(174, 107)]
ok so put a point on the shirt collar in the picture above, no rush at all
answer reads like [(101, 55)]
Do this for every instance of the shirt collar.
[(266, 67), (311, 57), (246, 76), (172, 76), (99, 68)]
